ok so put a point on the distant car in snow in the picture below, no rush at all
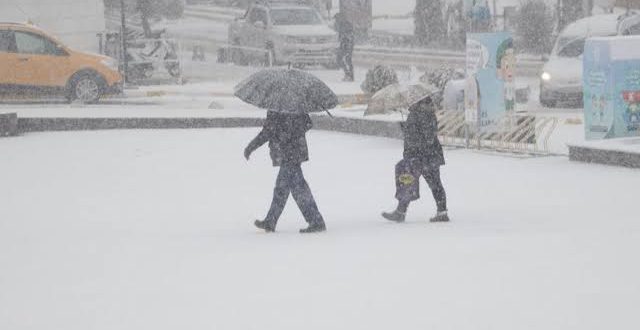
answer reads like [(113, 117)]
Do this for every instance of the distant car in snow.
[(561, 78), (283, 32)]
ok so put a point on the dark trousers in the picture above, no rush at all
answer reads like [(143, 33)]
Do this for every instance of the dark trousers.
[(291, 181), (431, 174), (345, 58)]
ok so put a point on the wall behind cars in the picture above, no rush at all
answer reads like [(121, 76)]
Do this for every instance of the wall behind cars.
[(74, 22)]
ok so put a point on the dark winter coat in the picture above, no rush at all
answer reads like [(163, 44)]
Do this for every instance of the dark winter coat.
[(286, 136), (421, 136), (346, 34)]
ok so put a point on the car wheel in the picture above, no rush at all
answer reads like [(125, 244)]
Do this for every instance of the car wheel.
[(86, 88)]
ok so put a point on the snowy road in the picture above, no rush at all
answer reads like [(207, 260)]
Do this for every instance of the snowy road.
[(152, 230)]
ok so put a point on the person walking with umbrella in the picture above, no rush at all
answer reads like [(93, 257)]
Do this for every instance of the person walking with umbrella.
[(422, 156), (289, 95)]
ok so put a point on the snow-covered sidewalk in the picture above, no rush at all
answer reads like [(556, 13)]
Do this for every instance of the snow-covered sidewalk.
[(152, 230), (212, 97)]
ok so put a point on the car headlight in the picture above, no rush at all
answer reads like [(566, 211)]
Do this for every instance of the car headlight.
[(545, 76), (110, 63)]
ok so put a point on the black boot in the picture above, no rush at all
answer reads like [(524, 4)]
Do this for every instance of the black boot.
[(442, 216), (395, 216), (266, 225), (314, 228)]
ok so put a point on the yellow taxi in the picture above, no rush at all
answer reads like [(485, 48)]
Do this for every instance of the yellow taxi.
[(32, 60)]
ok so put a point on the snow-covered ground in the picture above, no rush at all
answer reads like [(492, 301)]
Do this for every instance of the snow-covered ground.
[(196, 29), (152, 230), (398, 26)]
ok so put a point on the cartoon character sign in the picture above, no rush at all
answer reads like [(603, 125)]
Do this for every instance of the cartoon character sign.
[(599, 105), (490, 83), (506, 64), (632, 111)]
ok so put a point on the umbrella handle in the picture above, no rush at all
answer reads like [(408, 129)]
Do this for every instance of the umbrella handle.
[(329, 113)]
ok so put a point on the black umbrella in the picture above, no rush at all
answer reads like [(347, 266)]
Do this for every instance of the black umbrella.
[(286, 90)]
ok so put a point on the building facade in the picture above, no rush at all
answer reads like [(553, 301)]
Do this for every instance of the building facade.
[(75, 22)]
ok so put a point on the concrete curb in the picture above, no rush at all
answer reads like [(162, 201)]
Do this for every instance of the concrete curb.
[(336, 124), (83, 124), (8, 124), (605, 157), (358, 126)]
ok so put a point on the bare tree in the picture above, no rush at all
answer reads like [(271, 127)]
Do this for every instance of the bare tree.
[(429, 21), (534, 26)]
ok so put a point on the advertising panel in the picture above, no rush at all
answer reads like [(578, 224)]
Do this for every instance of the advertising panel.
[(490, 81), (611, 83)]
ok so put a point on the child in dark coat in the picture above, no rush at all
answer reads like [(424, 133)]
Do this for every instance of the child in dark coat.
[(422, 156)]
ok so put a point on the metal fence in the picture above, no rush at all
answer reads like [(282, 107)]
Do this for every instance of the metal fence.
[(520, 133)]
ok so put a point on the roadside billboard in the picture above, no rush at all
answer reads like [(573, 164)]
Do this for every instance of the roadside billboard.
[(490, 80), (611, 83)]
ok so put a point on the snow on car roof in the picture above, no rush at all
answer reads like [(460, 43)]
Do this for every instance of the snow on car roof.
[(600, 25)]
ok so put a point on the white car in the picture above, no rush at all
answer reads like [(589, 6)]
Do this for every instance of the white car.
[(280, 32), (561, 78)]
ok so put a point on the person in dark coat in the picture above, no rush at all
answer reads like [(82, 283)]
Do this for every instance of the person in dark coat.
[(346, 37), (288, 150), (422, 156)]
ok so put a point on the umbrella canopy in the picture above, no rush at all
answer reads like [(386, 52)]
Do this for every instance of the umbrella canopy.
[(397, 97), (286, 90)]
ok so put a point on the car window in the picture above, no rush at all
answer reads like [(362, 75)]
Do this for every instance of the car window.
[(7, 42), (572, 49), (258, 15), (29, 43), (563, 41), (302, 16)]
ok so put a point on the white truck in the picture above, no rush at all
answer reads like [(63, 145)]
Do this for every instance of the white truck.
[(281, 32)]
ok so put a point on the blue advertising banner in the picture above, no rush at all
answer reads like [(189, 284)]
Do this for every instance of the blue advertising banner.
[(611, 83), (490, 82)]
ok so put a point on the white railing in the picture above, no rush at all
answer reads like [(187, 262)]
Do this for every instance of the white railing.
[(522, 134)]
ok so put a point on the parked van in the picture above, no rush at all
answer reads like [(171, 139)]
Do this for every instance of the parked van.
[(561, 79), (32, 60)]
